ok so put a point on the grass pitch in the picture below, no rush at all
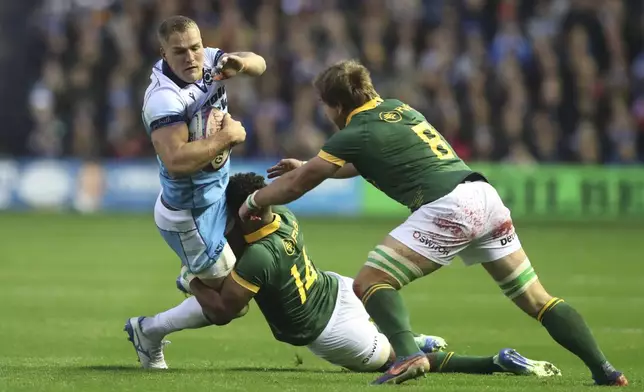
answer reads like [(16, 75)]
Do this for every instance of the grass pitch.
[(68, 283)]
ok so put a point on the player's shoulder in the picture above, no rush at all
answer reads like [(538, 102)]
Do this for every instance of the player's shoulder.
[(280, 238), (162, 89), (393, 104), (375, 111), (290, 226), (163, 97), (160, 82), (385, 118), (270, 237), (259, 248), (256, 263), (167, 90), (212, 56), (164, 93), (286, 215), (163, 103), (260, 255), (391, 111)]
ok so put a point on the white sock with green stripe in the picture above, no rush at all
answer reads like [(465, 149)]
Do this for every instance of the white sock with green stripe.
[(385, 259), (518, 281)]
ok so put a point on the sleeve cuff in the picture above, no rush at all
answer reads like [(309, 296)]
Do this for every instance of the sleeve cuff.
[(331, 158), (244, 283)]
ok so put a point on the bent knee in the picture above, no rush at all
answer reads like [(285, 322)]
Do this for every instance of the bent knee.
[(358, 288), (361, 286), (369, 277), (386, 265)]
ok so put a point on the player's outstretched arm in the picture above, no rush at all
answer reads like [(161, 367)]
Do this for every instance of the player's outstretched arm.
[(290, 186), (232, 64), (286, 165), (254, 64), (224, 306), (183, 158)]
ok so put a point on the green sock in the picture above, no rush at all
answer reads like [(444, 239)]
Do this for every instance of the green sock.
[(387, 309), (568, 328), (443, 362)]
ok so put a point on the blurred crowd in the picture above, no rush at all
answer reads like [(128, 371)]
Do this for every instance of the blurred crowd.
[(505, 80)]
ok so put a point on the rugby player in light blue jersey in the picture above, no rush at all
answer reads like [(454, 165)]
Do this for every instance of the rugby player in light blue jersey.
[(190, 212)]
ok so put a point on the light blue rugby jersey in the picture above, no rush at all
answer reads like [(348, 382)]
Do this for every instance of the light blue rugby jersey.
[(169, 100)]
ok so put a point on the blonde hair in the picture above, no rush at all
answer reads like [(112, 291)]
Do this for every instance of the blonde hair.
[(346, 84), (176, 23)]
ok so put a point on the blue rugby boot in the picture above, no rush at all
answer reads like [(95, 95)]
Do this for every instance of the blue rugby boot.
[(430, 344), (511, 361), (404, 369)]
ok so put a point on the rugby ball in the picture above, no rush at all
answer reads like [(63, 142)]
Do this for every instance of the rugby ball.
[(204, 123)]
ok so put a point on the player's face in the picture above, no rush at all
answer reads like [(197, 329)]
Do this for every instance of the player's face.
[(184, 53), (334, 115)]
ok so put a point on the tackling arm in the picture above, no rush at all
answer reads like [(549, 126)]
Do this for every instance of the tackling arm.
[(294, 184), (288, 164), (221, 307)]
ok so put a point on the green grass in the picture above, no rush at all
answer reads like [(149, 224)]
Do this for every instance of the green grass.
[(67, 284)]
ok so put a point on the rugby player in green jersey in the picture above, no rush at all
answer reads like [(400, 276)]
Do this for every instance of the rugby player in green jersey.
[(454, 211), (305, 306)]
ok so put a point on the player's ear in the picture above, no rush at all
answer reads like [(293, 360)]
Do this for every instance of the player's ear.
[(162, 53)]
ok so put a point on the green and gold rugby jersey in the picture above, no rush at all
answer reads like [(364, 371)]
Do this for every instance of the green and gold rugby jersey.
[(394, 148), (295, 297)]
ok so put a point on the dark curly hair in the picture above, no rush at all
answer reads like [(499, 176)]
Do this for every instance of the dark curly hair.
[(239, 187)]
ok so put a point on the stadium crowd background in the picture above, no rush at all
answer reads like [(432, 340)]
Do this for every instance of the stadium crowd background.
[(505, 80)]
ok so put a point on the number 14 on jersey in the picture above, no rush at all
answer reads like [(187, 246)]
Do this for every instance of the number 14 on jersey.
[(310, 276)]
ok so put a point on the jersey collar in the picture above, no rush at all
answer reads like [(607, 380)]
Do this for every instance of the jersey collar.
[(167, 71), (264, 231), (367, 106)]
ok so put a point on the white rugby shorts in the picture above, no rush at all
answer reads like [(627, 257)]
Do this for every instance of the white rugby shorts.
[(471, 221), (198, 240), (350, 339)]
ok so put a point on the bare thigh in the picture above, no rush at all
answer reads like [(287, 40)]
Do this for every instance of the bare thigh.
[(369, 276)]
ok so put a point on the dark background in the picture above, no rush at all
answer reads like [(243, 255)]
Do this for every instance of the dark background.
[(506, 80)]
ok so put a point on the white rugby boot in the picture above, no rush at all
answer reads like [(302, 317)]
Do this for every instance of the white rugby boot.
[(149, 351)]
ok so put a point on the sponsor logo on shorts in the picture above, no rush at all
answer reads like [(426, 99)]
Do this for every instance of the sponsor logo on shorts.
[(431, 244), (373, 351), (507, 240)]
